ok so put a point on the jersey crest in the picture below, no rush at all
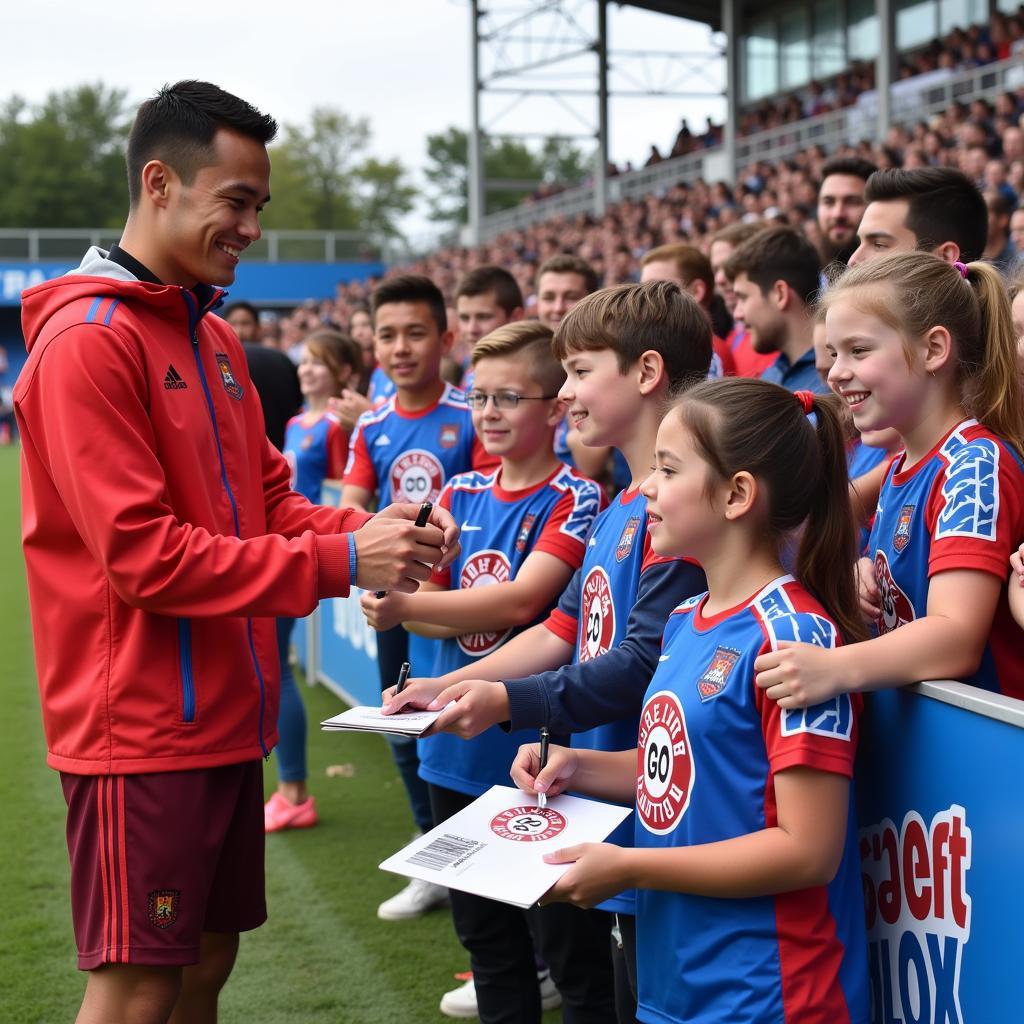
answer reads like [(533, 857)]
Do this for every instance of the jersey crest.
[(901, 536), (626, 538), (896, 609), (665, 769), (449, 435), (712, 680), (483, 569), (524, 531), (597, 625), (227, 377), (416, 476)]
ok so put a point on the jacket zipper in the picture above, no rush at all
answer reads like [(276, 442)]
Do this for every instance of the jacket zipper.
[(194, 315), (188, 685)]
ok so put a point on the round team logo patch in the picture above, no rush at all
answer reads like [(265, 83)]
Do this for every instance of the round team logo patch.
[(896, 607), (528, 824), (665, 770), (483, 569), (416, 476), (598, 626)]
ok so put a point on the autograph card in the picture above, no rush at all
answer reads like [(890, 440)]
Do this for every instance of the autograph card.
[(367, 719), (494, 847)]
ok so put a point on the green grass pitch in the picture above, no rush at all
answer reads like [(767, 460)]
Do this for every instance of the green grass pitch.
[(322, 956)]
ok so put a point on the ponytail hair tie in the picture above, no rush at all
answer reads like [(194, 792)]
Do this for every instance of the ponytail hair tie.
[(806, 400), (962, 267)]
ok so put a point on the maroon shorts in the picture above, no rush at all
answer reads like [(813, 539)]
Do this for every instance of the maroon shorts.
[(158, 859)]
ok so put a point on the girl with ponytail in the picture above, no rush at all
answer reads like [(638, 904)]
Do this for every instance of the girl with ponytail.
[(927, 347), (744, 837)]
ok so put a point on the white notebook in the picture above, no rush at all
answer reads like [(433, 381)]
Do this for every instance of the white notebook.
[(495, 846), (366, 719)]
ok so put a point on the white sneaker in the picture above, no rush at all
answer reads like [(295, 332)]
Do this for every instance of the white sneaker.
[(415, 899), (461, 1001)]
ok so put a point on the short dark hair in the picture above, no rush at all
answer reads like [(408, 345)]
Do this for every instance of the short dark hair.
[(411, 288), (177, 126), (246, 307), (778, 254), (567, 263), (491, 280), (944, 205), (854, 166), (630, 319)]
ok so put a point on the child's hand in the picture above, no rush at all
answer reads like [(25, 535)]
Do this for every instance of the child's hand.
[(867, 590), (479, 704), (383, 612), (598, 871), (1017, 564), (798, 675), (554, 780), (417, 694), (348, 408)]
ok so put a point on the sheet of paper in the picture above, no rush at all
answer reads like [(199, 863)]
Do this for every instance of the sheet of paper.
[(494, 847), (366, 719)]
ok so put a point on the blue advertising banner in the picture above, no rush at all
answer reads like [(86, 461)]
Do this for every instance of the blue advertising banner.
[(941, 840)]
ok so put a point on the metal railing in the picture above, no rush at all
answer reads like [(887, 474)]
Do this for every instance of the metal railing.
[(35, 245), (913, 99)]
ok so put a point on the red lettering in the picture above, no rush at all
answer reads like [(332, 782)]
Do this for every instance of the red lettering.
[(889, 891), (957, 857), (916, 868), (940, 839)]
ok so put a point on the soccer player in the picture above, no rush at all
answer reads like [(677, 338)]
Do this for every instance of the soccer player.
[(405, 451), (525, 526), (161, 539)]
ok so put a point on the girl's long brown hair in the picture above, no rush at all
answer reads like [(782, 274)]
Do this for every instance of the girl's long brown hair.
[(741, 424)]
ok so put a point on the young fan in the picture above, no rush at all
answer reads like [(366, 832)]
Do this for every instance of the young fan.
[(927, 347), (745, 836), (524, 529), (316, 447)]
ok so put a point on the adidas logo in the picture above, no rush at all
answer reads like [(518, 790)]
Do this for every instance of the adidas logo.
[(173, 380), (382, 440)]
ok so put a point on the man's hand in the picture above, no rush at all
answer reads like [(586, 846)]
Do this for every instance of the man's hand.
[(440, 518), (800, 675), (383, 612), (554, 779), (348, 408), (599, 871), (394, 554), (867, 590), (479, 704)]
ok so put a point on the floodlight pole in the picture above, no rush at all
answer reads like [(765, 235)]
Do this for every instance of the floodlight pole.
[(476, 163), (601, 154), (732, 87), (884, 64)]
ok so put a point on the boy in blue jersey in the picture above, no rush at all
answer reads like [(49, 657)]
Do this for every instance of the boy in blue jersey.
[(410, 446), (524, 530), (586, 668)]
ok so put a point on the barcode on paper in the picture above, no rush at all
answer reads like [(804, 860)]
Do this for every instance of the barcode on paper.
[(445, 851)]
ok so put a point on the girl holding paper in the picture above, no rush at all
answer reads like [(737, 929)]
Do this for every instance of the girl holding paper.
[(749, 906)]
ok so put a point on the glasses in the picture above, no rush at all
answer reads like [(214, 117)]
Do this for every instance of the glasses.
[(502, 399)]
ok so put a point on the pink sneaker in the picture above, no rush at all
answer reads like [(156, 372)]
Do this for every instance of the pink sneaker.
[(279, 814)]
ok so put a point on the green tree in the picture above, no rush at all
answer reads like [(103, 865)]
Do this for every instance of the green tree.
[(62, 163), (513, 167)]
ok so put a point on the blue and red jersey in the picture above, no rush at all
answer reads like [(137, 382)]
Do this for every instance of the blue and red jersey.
[(960, 507), (709, 746), (316, 449), (409, 456), (500, 530), (381, 387)]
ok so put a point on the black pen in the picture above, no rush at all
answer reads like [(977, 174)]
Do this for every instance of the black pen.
[(403, 674), (421, 520), (542, 799)]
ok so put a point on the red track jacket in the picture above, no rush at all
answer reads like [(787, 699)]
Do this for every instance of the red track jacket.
[(160, 533)]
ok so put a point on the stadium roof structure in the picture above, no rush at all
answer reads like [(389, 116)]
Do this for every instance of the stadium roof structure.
[(708, 12)]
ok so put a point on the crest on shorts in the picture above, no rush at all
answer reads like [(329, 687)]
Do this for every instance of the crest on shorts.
[(449, 436), (625, 544), (901, 538), (163, 907), (524, 530), (227, 376), (713, 679)]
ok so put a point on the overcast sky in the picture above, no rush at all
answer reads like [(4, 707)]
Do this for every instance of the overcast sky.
[(404, 64)]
